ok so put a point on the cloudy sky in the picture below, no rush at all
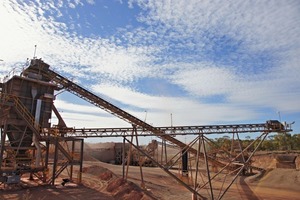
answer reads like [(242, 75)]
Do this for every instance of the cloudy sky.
[(203, 62)]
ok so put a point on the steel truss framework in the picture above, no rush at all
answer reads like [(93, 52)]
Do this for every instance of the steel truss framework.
[(207, 168), (173, 131), (213, 166)]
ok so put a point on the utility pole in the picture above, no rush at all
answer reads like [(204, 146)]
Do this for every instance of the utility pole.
[(279, 116)]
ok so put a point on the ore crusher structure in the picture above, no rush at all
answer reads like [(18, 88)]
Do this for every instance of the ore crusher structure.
[(31, 145), (28, 142)]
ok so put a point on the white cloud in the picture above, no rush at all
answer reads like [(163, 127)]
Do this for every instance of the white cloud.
[(277, 89), (185, 111), (92, 2), (80, 120), (72, 5), (52, 39), (256, 21), (68, 106), (267, 28), (206, 79)]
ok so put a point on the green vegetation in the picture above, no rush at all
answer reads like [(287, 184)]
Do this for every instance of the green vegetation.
[(278, 142)]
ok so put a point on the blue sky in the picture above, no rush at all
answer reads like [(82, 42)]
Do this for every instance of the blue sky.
[(206, 62)]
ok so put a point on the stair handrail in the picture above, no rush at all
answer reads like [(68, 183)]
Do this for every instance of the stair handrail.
[(27, 116)]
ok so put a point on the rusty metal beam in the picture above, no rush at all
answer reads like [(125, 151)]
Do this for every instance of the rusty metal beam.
[(172, 131), (166, 170)]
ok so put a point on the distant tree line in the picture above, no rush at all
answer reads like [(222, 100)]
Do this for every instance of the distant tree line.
[(278, 142)]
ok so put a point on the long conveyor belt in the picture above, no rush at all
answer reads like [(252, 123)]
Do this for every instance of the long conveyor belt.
[(37, 66)]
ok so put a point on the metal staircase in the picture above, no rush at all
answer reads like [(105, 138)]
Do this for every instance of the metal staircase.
[(27, 116), (21, 144)]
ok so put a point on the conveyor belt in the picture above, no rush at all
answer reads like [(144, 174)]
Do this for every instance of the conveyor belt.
[(172, 131), (39, 67)]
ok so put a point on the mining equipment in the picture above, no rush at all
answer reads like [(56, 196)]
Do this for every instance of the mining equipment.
[(31, 146)]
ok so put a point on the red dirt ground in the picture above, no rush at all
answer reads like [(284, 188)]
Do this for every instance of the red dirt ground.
[(100, 183)]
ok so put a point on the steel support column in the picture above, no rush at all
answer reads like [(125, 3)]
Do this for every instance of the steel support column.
[(167, 171), (81, 161), (55, 161), (123, 159)]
